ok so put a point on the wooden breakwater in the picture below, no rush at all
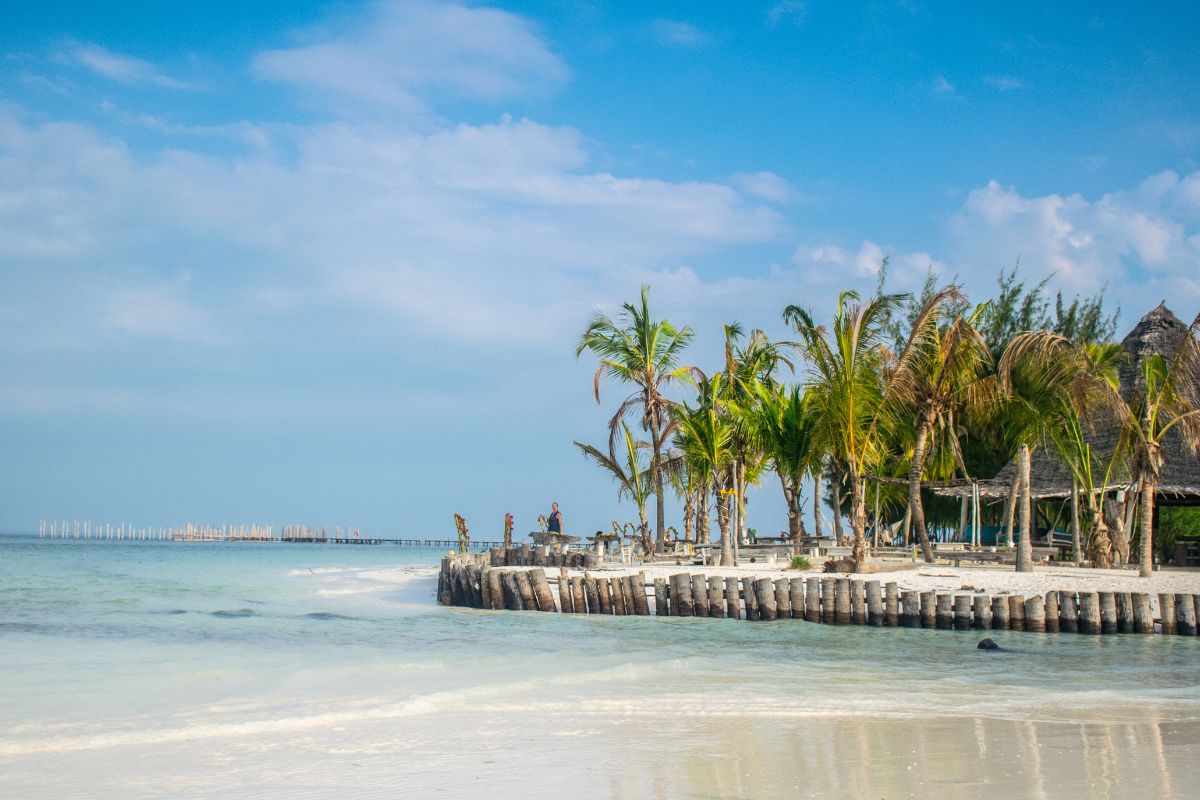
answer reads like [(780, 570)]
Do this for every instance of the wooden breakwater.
[(477, 581)]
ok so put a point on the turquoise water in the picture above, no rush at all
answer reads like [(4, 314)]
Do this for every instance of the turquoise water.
[(252, 670)]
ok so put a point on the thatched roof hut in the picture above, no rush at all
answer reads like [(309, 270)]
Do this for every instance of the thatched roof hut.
[(1158, 332)]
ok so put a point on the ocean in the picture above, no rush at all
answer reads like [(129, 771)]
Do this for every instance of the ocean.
[(238, 670)]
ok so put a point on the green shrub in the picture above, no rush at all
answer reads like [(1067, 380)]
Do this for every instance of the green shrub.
[(800, 562)]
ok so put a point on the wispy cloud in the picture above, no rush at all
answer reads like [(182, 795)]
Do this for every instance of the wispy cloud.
[(1003, 83), (794, 12), (942, 86), (121, 68), (673, 33)]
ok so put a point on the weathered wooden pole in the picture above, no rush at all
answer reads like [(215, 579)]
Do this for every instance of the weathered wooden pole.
[(891, 604), (716, 597), (1143, 619), (1166, 613), (732, 609), (858, 603), (591, 593), (928, 609), (1035, 614), (630, 589), (494, 577), (1089, 613), (841, 601), (681, 595), (699, 596), (962, 612), (1016, 612), (1124, 612), (641, 604), (874, 604), (912, 610), (796, 590), (616, 594), (565, 601), (828, 615), (812, 599), (485, 588), (981, 618), (1196, 611), (783, 599), (750, 599), (944, 612), (999, 613), (603, 596), (661, 607), (764, 589), (1185, 615), (1108, 612), (1050, 607), (513, 599), (541, 587), (445, 588), (578, 598), (1068, 618)]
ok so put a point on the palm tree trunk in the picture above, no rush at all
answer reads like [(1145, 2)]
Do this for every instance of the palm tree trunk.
[(727, 559), (704, 523), (790, 496), (660, 513), (835, 483), (1025, 545), (1146, 545), (858, 520), (644, 529), (1099, 545), (743, 529), (916, 466), (818, 526), (1010, 507), (1076, 542)]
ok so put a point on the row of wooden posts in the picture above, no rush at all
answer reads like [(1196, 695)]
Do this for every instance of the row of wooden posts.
[(471, 581)]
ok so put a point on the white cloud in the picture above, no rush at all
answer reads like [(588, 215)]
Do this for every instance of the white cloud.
[(674, 33), (121, 68), (1003, 83), (830, 264), (793, 11), (402, 51), (766, 185), (942, 86)]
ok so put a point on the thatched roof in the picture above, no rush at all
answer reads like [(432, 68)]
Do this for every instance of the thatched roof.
[(1159, 332)]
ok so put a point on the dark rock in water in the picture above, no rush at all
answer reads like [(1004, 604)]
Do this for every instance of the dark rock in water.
[(241, 612), (988, 644)]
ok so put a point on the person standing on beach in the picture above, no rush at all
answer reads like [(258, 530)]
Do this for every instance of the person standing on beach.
[(554, 524)]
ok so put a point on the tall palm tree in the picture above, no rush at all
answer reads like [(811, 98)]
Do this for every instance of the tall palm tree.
[(704, 435), (632, 476), (645, 352), (945, 378), (784, 429), (849, 391)]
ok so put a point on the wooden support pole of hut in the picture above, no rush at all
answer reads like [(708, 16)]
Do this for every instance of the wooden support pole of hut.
[(912, 610), (616, 593), (578, 598), (928, 609), (1016, 612), (513, 599), (641, 604), (732, 609), (1124, 612), (565, 601), (1089, 613), (1166, 613), (1185, 610), (891, 604), (1068, 617), (661, 607), (1050, 607), (981, 618), (828, 615), (783, 599), (764, 590), (858, 603), (494, 577), (541, 587), (1035, 614), (681, 595), (603, 596), (699, 596), (999, 613), (841, 602), (716, 597), (1143, 619), (944, 610), (962, 612), (874, 604), (812, 599), (750, 599), (1108, 612), (796, 590)]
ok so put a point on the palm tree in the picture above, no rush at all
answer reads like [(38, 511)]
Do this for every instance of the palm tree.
[(704, 437), (632, 477), (644, 352), (850, 389), (946, 377), (784, 429)]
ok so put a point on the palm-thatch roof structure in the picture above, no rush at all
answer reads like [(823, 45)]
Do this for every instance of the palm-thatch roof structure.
[(1158, 332)]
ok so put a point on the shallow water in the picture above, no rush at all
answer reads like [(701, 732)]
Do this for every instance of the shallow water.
[(248, 670)]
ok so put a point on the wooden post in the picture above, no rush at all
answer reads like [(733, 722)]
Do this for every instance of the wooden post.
[(1035, 614), (1108, 612), (445, 587), (1124, 612), (783, 599), (796, 590), (732, 609), (592, 594), (661, 607), (891, 604), (928, 609), (497, 588), (750, 599), (1196, 611), (496, 556), (616, 593), (827, 611), (1143, 619), (962, 612), (578, 600), (565, 601), (764, 589), (1050, 607), (699, 595), (874, 604), (681, 595), (912, 610), (1185, 615), (462, 592), (1068, 619), (541, 588), (999, 613), (716, 597), (603, 597), (1089, 613), (637, 583), (982, 613), (858, 603), (1166, 613), (1016, 612), (812, 599), (513, 599), (944, 612), (841, 601), (485, 588)]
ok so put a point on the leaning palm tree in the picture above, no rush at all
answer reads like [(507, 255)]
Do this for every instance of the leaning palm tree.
[(644, 352), (704, 435), (851, 386), (632, 476)]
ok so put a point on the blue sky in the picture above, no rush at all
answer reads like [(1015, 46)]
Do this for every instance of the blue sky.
[(325, 263)]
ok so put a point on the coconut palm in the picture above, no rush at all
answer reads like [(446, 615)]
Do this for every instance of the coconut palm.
[(783, 428), (633, 478), (704, 435), (645, 352)]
